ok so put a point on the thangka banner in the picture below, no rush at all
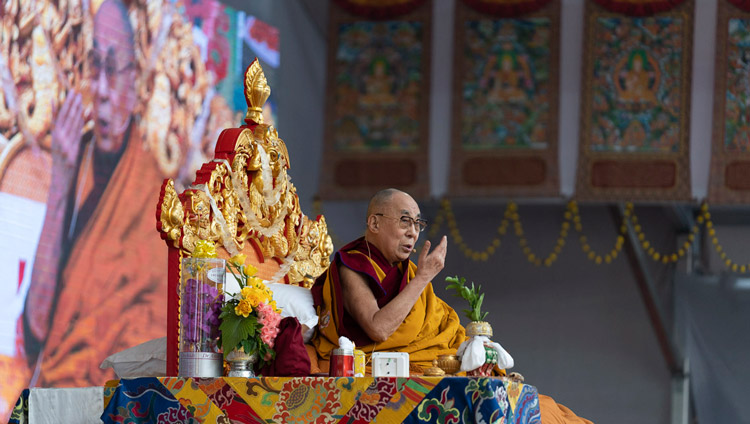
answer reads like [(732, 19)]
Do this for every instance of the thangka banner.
[(730, 152), (99, 102), (636, 104), (505, 92), (376, 128)]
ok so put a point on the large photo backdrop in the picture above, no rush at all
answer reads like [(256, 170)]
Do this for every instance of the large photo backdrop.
[(99, 102)]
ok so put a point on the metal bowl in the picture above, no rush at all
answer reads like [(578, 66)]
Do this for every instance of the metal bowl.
[(449, 363)]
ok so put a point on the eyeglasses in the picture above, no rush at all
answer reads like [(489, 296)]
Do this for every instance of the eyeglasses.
[(109, 64), (406, 222)]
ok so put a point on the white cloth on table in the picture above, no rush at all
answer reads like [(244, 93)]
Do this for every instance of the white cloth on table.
[(74, 405), (472, 354)]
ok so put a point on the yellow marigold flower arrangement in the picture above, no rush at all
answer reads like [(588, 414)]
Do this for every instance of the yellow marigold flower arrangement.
[(249, 319)]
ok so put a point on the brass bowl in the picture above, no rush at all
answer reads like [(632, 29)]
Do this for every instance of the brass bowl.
[(449, 363)]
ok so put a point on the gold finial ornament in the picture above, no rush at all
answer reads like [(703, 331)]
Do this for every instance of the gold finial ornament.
[(434, 370), (256, 92)]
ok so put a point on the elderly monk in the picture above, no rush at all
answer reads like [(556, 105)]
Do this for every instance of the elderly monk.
[(374, 295)]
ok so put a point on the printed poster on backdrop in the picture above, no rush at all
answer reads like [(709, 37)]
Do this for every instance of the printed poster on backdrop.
[(505, 108), (635, 108), (729, 178), (377, 100)]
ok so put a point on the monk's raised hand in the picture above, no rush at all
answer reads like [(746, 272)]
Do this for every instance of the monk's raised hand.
[(431, 263), (66, 132)]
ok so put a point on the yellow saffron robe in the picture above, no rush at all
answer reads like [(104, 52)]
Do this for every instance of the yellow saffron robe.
[(430, 329)]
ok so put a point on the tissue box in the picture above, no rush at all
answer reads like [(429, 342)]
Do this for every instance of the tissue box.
[(390, 364)]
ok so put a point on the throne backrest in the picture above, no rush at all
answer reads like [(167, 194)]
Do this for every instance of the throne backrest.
[(244, 201)]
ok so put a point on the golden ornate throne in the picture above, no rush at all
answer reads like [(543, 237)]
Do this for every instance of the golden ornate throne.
[(245, 202)]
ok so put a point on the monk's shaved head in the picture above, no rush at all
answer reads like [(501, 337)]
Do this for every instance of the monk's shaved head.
[(391, 225), (381, 198)]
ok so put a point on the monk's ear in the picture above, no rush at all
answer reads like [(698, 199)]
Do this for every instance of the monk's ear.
[(372, 223)]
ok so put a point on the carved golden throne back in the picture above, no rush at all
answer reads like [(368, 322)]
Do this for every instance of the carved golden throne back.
[(244, 201)]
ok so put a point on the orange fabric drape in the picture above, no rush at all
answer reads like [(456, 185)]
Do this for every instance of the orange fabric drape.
[(555, 413)]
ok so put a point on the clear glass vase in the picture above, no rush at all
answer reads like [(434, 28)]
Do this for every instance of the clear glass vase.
[(201, 295)]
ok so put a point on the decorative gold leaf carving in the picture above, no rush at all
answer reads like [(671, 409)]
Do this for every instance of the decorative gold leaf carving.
[(315, 249), (172, 216), (255, 198), (198, 225)]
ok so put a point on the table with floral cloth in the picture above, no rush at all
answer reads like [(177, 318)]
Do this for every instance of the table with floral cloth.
[(320, 400)]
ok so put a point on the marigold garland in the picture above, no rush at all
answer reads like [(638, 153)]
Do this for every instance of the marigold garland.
[(512, 213), (705, 218), (572, 215), (591, 254), (476, 255), (664, 258)]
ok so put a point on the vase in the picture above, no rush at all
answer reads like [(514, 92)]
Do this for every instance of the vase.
[(482, 328), (241, 363), (201, 296)]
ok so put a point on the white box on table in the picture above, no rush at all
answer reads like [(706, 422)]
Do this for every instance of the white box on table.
[(390, 364)]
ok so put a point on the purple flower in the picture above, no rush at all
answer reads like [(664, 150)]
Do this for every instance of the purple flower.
[(201, 306)]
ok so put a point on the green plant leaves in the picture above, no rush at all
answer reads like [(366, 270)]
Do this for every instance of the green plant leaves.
[(472, 294), (249, 345), (234, 329)]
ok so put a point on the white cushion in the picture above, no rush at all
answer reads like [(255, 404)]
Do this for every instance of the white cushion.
[(296, 301), (147, 359)]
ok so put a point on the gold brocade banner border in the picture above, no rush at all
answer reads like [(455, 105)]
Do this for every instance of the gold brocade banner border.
[(727, 181), (625, 173), (353, 166), (526, 169)]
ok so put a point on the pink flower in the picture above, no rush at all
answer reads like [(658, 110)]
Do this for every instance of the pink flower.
[(270, 320), (268, 335)]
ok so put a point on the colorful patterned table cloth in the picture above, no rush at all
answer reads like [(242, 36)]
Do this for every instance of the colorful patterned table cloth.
[(320, 400), (20, 413)]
